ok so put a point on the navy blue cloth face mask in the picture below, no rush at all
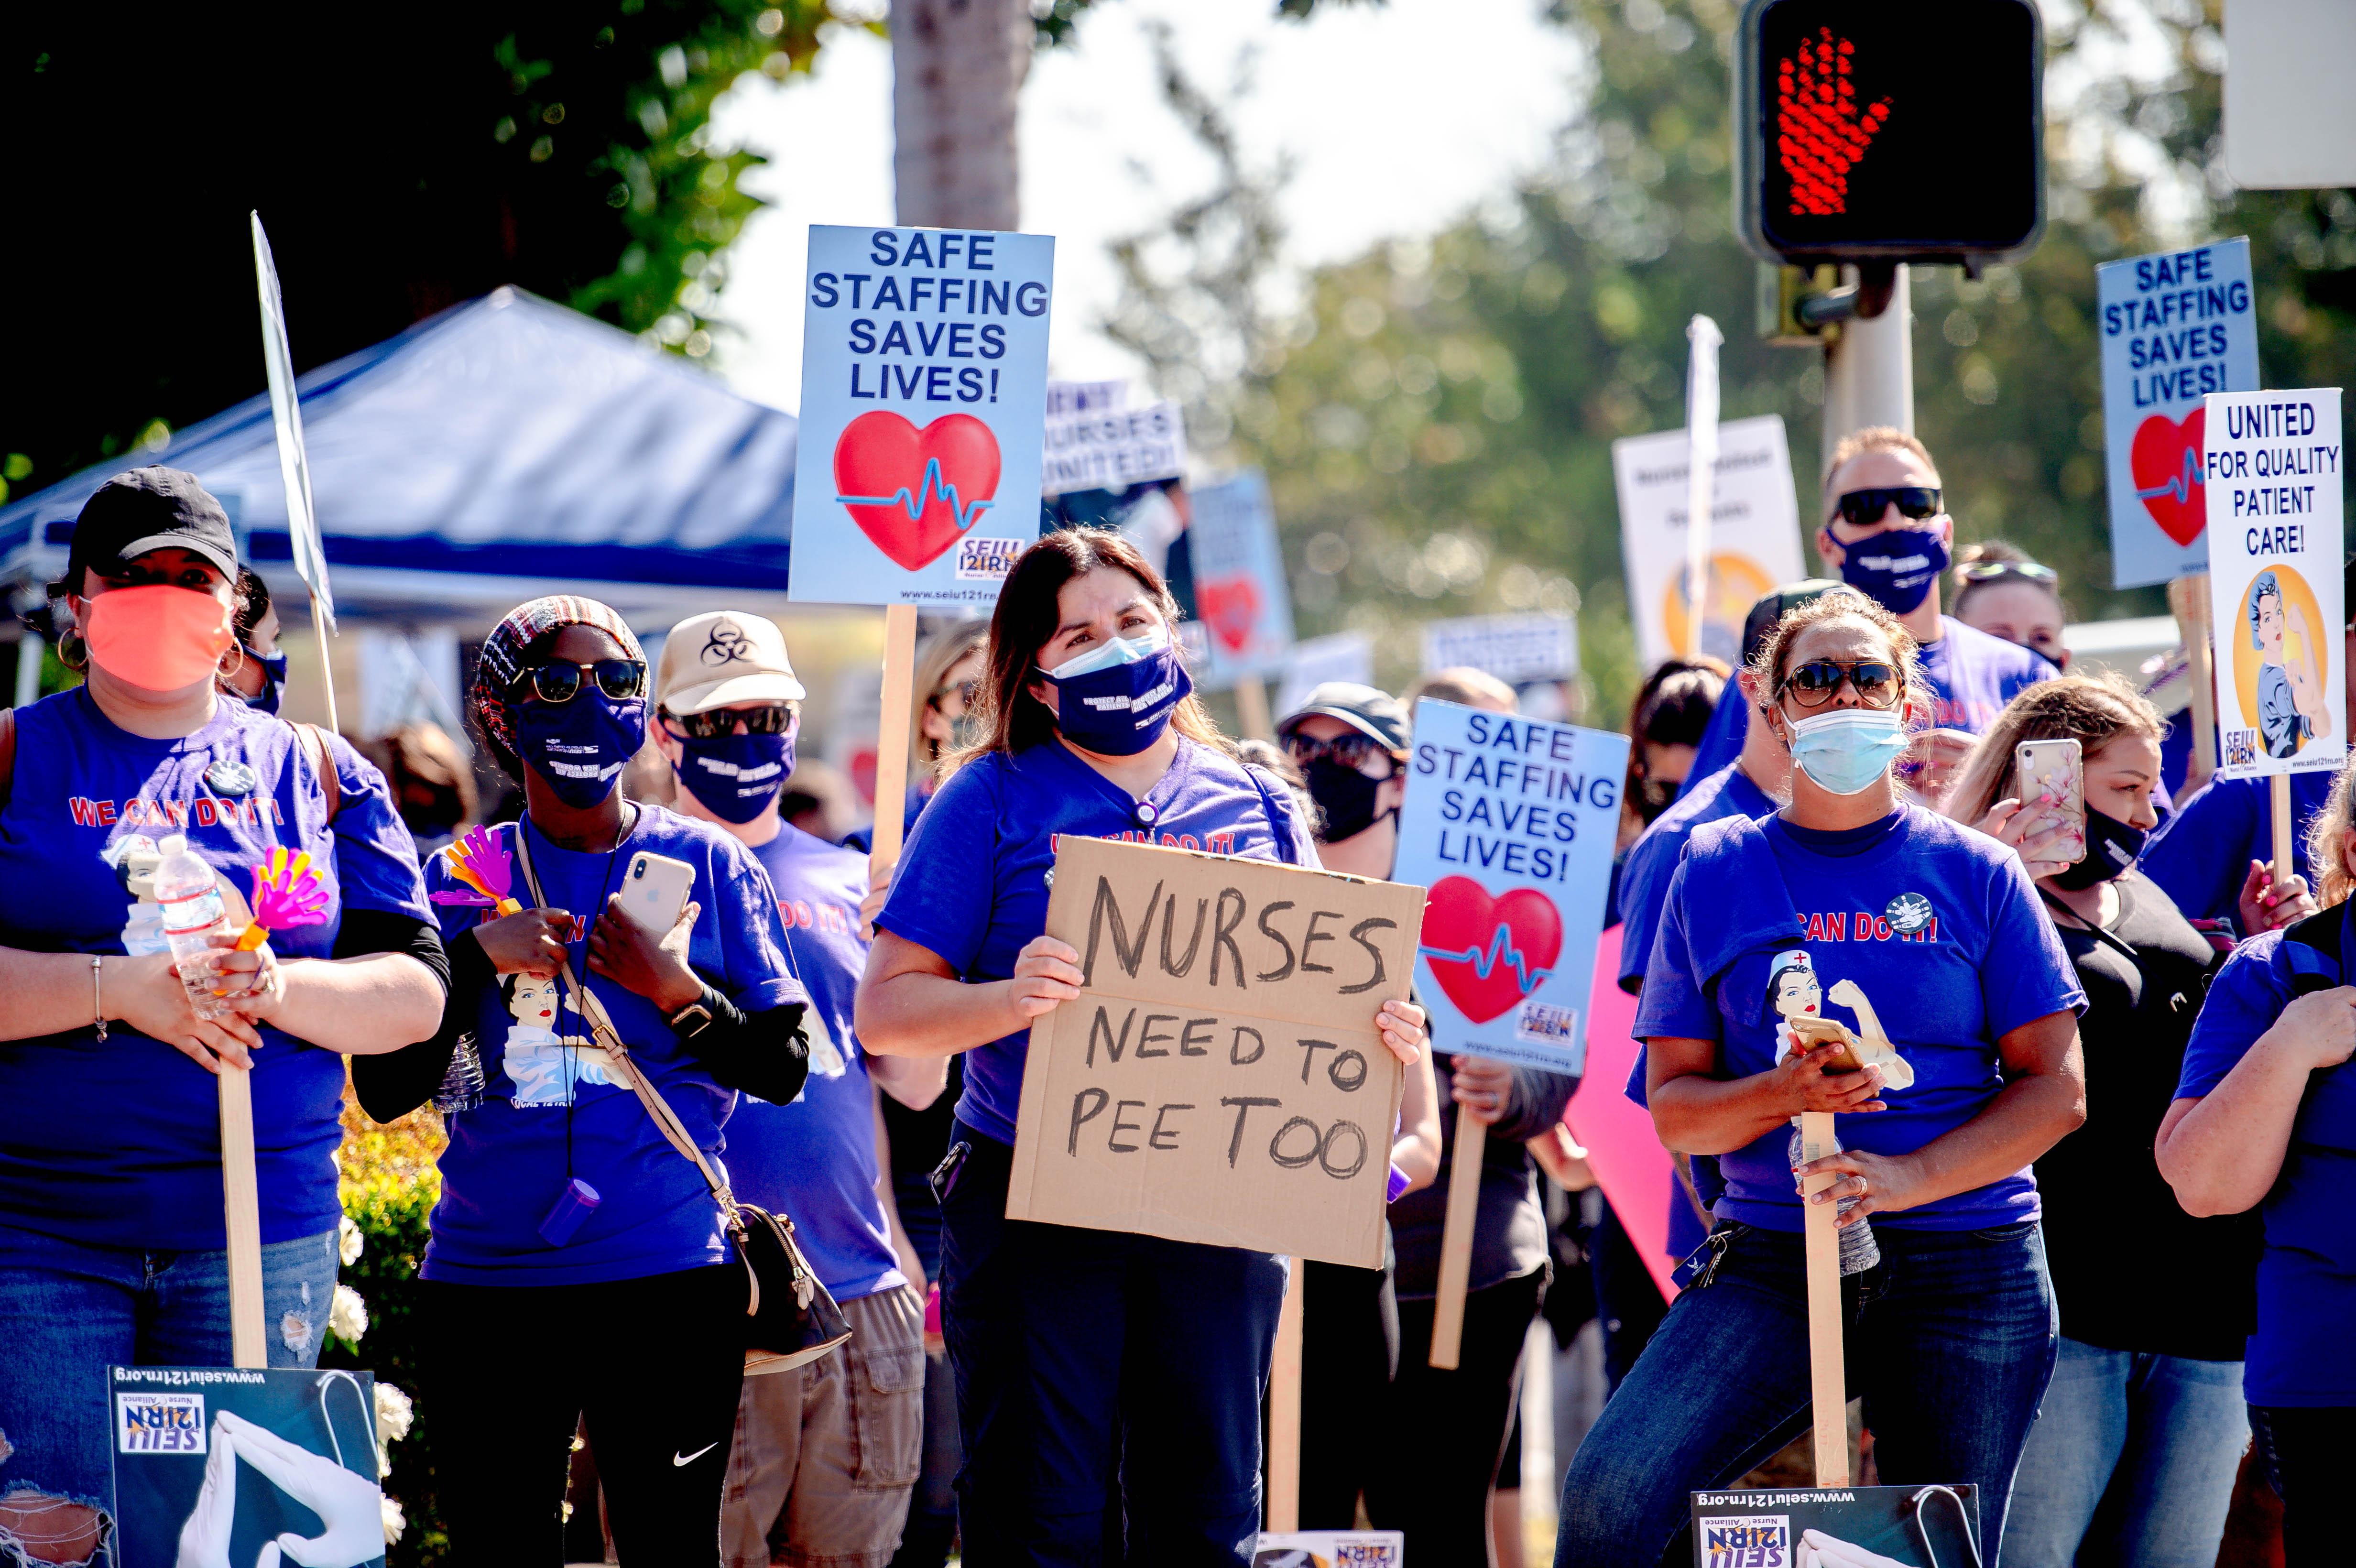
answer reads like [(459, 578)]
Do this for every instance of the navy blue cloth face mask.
[(736, 777), (579, 746), (1895, 568), (1117, 699), (273, 685)]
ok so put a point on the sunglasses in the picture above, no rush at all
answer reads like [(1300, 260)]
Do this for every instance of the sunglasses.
[(1863, 509), (1818, 681), (1349, 751), (968, 692), (620, 680), (1997, 571), (775, 719)]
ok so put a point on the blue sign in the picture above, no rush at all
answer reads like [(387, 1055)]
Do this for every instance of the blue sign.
[(1510, 823), (923, 404), (2175, 327)]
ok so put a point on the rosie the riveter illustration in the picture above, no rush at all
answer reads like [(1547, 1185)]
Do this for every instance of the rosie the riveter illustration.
[(2292, 708), (1795, 994)]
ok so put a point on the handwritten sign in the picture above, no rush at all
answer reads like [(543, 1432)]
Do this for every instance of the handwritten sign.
[(1754, 533), (1219, 1078), (1510, 821), (1112, 448), (2270, 467), (1240, 593), (2176, 327), (923, 396), (1513, 648)]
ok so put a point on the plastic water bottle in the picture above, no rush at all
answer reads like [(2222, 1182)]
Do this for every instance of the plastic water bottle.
[(193, 914)]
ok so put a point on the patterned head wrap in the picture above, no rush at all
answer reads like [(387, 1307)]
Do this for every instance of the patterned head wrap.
[(507, 653)]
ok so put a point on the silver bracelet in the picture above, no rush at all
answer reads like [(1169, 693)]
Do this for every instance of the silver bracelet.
[(97, 1002)]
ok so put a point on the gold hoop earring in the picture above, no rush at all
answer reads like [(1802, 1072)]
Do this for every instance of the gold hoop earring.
[(230, 673), (74, 651)]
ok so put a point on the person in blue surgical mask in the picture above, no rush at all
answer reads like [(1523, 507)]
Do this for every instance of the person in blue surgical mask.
[(1850, 925), (1089, 1363), (260, 677), (1887, 534)]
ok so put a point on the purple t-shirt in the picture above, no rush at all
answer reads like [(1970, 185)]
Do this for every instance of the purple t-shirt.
[(1973, 675), (87, 809), (815, 1159), (1653, 860), (972, 887), (1935, 925)]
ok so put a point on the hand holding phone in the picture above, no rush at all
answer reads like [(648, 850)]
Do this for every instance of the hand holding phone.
[(2050, 775), (655, 888)]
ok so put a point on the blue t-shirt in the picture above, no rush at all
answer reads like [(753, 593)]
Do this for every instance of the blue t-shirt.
[(815, 1159), (550, 1114), (2307, 1278), (1653, 860), (1973, 675), (1935, 925), (117, 1142), (2199, 856), (972, 887)]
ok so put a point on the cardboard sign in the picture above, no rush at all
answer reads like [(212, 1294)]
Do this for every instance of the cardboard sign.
[(1241, 596), (1837, 1527), (1510, 822), (2175, 328), (924, 398), (1220, 1078), (1344, 656), (1331, 1548), (1109, 449), (2270, 464), (1754, 537), (237, 1458), (1513, 648)]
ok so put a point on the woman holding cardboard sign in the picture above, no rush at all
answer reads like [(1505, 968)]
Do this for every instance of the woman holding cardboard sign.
[(1079, 1354), (1929, 937)]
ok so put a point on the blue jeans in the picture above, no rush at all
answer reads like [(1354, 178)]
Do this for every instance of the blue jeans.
[(2133, 1456), (1949, 1339), (68, 1311)]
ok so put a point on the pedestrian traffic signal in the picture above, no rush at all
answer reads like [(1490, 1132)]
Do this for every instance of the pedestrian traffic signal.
[(1872, 130)]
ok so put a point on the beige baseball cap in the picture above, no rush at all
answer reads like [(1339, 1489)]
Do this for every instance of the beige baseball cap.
[(724, 658)]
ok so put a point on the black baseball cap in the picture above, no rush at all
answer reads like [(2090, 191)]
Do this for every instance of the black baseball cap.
[(1773, 605), (145, 509), (1374, 714)]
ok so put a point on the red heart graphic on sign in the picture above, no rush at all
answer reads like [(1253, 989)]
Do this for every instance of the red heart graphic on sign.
[(1489, 953), (914, 491), (2165, 463), (1231, 606)]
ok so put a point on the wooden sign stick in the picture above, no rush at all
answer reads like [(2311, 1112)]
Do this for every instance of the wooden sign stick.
[(2278, 794), (1284, 1411), (1456, 1240), (1827, 1384), (1252, 708), (241, 1194), (2187, 599), (892, 737)]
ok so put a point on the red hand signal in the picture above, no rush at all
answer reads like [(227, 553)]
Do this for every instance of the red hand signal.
[(1820, 134)]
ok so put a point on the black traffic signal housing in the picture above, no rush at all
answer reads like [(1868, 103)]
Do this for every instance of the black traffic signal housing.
[(1890, 130)]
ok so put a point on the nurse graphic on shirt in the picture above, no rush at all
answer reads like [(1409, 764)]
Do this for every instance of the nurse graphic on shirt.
[(1084, 1359), (1971, 1072)]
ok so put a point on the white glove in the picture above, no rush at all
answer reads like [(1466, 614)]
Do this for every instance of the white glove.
[(1818, 1549), (204, 1536), (349, 1504)]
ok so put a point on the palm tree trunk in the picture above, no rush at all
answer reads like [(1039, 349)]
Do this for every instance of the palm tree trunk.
[(956, 77)]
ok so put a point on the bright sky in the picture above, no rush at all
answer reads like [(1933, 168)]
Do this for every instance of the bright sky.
[(1398, 117)]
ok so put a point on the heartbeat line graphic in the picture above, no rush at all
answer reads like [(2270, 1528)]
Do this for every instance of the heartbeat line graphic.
[(933, 485), (1484, 963), (2182, 486)]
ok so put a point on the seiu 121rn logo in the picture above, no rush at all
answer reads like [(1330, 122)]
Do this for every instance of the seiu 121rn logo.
[(1758, 1541), (160, 1423)]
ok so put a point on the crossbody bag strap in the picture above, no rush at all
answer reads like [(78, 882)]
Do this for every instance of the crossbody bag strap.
[(601, 1025)]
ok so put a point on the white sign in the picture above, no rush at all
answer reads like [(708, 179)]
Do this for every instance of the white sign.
[(924, 399), (2175, 327), (2271, 466), (1331, 1548), (1513, 648), (1754, 542), (1510, 823), (1240, 593), (2290, 121), (1111, 449), (1344, 656), (287, 419)]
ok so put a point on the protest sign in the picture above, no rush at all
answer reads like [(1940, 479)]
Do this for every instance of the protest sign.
[(1754, 535), (1112, 448), (1219, 1078), (1837, 1527), (1344, 656), (2175, 328), (924, 398), (1240, 592), (1510, 821), (1624, 1148), (1513, 648), (1331, 1548), (212, 1463), (2270, 466)]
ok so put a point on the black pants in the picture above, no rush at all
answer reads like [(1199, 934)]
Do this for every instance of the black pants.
[(1349, 1350), (654, 1364), (1437, 1491), (2307, 1453)]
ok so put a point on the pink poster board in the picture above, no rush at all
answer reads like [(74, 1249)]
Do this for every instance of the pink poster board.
[(1622, 1146)]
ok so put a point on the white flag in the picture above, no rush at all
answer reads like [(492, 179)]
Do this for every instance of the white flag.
[(1701, 474), (286, 415)]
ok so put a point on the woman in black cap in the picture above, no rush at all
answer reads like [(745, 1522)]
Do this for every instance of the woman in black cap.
[(111, 1234)]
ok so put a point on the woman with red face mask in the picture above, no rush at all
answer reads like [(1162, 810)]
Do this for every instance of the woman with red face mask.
[(111, 1233)]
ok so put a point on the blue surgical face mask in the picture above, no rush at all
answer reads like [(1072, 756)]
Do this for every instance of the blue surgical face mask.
[(736, 777), (579, 746), (1895, 568), (273, 685), (1846, 751), (1117, 699)]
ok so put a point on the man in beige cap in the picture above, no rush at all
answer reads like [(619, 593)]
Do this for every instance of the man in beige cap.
[(825, 1455)]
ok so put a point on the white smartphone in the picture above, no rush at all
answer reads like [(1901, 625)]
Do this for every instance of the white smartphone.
[(655, 888), (2055, 768)]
